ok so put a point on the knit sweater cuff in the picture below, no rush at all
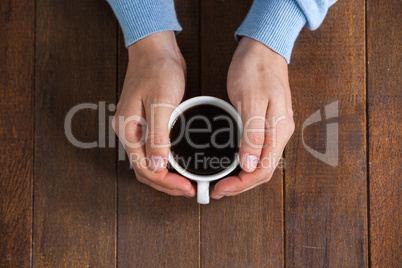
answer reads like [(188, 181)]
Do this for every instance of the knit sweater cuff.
[(141, 18), (275, 24)]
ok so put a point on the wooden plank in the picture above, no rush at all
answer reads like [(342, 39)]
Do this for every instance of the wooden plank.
[(189, 43), (74, 191), (384, 24), (326, 206), (155, 229), (17, 24), (246, 230)]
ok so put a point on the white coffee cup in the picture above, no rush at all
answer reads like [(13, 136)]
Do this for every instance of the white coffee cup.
[(204, 180)]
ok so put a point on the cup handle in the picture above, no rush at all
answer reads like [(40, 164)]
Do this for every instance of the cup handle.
[(203, 192)]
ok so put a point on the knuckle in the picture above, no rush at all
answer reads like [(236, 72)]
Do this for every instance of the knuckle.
[(266, 180), (114, 124), (140, 178), (132, 131), (287, 129), (267, 175), (290, 112), (140, 174), (291, 127), (129, 128), (157, 178), (256, 139), (139, 168), (133, 124), (157, 138)]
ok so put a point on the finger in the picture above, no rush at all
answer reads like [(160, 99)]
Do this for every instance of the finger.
[(167, 182), (280, 128), (235, 185), (173, 192), (129, 125), (253, 116), (157, 136), (164, 181), (244, 181), (131, 133)]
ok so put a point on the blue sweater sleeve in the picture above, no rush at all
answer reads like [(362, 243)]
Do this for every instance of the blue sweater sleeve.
[(277, 23), (139, 18)]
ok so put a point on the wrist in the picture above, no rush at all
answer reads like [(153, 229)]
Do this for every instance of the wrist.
[(274, 23), (253, 58), (154, 46), (259, 51)]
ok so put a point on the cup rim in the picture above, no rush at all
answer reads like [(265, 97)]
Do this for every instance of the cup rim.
[(210, 101)]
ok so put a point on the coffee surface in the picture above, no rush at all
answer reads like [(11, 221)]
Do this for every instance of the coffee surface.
[(204, 140)]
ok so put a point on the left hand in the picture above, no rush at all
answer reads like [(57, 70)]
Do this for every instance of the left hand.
[(258, 87)]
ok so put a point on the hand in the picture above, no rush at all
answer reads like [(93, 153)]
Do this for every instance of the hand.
[(155, 75), (258, 87)]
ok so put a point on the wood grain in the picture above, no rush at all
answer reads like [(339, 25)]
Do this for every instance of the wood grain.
[(326, 206), (246, 230), (154, 229), (74, 190), (17, 24), (188, 14), (384, 42)]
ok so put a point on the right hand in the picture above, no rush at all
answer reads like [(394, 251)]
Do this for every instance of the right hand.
[(155, 75)]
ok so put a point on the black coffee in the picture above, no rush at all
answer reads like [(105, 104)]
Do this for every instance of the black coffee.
[(204, 140)]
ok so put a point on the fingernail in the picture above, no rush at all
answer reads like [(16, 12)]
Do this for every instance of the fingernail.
[(250, 162), (188, 195), (156, 162), (218, 196)]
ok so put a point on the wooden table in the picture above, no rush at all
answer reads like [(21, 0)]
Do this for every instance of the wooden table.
[(61, 206)]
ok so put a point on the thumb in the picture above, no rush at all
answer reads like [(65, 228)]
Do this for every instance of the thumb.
[(157, 135)]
